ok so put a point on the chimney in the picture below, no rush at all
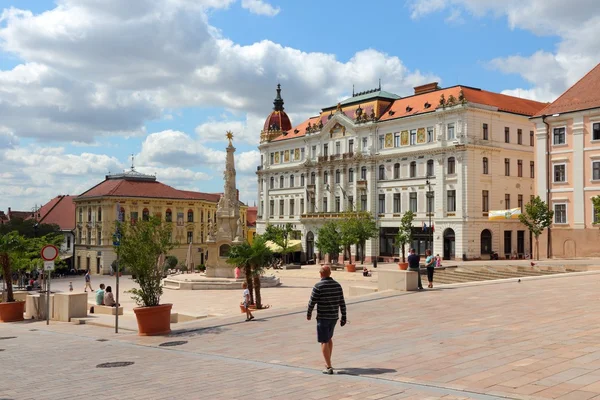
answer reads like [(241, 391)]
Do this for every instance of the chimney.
[(8, 210), (429, 87)]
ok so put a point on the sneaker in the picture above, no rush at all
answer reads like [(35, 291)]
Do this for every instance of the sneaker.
[(251, 318), (328, 371), (248, 319)]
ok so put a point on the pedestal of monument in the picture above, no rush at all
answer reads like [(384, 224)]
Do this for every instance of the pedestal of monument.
[(203, 282)]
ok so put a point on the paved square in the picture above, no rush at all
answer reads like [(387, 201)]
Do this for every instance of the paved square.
[(537, 339)]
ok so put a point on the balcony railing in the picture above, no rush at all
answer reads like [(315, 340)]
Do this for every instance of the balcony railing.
[(335, 157), (323, 215), (362, 182)]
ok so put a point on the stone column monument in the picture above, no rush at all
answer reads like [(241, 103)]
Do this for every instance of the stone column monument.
[(226, 231)]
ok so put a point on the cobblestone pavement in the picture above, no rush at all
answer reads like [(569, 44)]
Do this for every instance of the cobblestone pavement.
[(534, 339)]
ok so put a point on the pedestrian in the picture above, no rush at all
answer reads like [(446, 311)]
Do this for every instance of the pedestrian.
[(109, 298), (246, 302), (88, 281), (100, 295), (413, 265), (328, 296), (438, 261), (70, 286), (430, 264)]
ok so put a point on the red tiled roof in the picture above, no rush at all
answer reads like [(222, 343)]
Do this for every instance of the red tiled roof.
[(60, 211), (251, 216), (278, 120), (300, 128), (583, 95), (18, 214), (142, 188)]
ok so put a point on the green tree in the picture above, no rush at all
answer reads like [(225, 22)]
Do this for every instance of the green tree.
[(596, 210), (12, 248), (355, 229), (536, 218), (254, 259), (281, 237), (404, 235), (141, 245), (171, 262), (329, 240), (29, 228)]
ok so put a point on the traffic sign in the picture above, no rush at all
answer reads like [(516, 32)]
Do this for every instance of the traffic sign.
[(48, 265), (49, 252)]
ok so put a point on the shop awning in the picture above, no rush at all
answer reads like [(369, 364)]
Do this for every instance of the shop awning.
[(293, 245)]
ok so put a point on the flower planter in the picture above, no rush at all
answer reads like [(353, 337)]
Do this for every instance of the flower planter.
[(12, 312), (153, 321), (351, 267), (403, 266)]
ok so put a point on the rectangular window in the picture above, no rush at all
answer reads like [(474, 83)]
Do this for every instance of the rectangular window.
[(430, 134), (351, 146), (292, 206), (507, 242), (507, 201), (486, 134), (99, 238), (381, 203), (190, 237), (531, 139), (313, 152), (281, 157), (364, 144), (338, 176), (397, 139), (324, 204), (560, 173), (596, 131), (68, 241), (351, 203), (363, 173), (450, 130), (302, 154), (272, 158), (506, 134), (302, 180), (560, 213), (281, 207), (363, 202), (338, 204), (350, 175), (507, 166), (596, 170), (451, 200), (271, 208), (338, 147), (485, 201), (381, 141), (531, 169), (397, 203), (413, 202), (301, 210), (520, 168), (261, 212), (325, 150), (559, 136), (397, 171), (430, 201), (519, 136), (520, 202), (413, 137)]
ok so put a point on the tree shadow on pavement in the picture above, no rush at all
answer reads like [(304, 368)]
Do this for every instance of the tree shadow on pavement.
[(365, 371), (199, 332)]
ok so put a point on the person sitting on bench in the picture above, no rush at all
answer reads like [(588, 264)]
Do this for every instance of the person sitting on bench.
[(109, 298)]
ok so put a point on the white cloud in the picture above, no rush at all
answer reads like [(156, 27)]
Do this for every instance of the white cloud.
[(247, 131), (260, 7), (576, 22)]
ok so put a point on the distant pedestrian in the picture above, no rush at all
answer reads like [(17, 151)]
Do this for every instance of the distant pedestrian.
[(413, 265), (70, 286), (246, 302), (328, 296), (88, 281), (430, 264), (438, 261)]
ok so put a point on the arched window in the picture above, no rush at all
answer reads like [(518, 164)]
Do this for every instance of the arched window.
[(397, 171), (302, 180), (99, 214), (337, 176), (272, 183), (291, 181), (430, 171), (145, 214), (281, 182), (451, 165), (413, 169), (169, 215), (190, 216), (325, 176), (350, 175), (381, 172), (486, 166), (363, 173), (313, 178)]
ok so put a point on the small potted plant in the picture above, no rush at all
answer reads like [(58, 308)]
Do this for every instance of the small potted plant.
[(141, 250), (404, 236), (11, 245)]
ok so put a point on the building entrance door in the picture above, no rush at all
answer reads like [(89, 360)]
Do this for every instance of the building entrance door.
[(98, 265), (449, 244), (310, 247), (486, 242)]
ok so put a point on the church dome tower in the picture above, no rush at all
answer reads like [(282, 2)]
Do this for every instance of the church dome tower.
[(277, 122)]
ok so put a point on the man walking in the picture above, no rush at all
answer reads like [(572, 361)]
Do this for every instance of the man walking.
[(328, 296), (413, 265)]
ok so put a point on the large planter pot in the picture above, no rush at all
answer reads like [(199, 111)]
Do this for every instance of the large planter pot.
[(351, 267), (154, 321), (12, 312), (403, 266)]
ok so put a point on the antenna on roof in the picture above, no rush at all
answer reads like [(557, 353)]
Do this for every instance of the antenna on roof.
[(352, 90), (132, 159), (379, 84)]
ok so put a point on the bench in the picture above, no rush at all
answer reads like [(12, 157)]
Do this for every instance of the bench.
[(106, 310)]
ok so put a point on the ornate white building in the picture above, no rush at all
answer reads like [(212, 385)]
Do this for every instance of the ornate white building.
[(450, 155)]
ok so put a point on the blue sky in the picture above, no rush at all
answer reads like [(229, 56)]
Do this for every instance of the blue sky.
[(84, 84)]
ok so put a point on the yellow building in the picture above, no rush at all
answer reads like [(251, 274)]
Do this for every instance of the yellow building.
[(137, 196)]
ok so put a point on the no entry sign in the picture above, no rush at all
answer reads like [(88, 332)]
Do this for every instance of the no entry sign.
[(49, 253)]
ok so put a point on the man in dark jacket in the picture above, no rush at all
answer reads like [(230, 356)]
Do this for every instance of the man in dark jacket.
[(413, 265), (328, 296)]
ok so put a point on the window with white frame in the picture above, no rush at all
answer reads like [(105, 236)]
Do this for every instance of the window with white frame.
[(364, 144), (381, 173), (313, 152), (338, 148), (337, 204), (413, 202), (397, 139), (397, 203), (451, 165), (560, 173), (450, 131), (292, 206), (596, 131), (271, 208), (559, 136), (292, 180), (451, 200), (281, 180), (397, 171), (281, 207), (325, 177), (596, 170), (325, 150), (560, 213), (430, 170), (413, 169), (430, 134), (351, 175), (363, 173), (381, 141), (351, 146), (337, 176), (302, 153), (382, 204), (413, 137)]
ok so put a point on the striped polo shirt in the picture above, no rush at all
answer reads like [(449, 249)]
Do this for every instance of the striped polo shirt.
[(328, 296)]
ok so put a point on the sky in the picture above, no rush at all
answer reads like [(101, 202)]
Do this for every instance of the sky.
[(86, 84)]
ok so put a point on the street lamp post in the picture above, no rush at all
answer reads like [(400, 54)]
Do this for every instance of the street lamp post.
[(430, 210)]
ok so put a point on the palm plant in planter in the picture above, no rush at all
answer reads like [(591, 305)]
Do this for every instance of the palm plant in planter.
[(11, 246), (142, 245)]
